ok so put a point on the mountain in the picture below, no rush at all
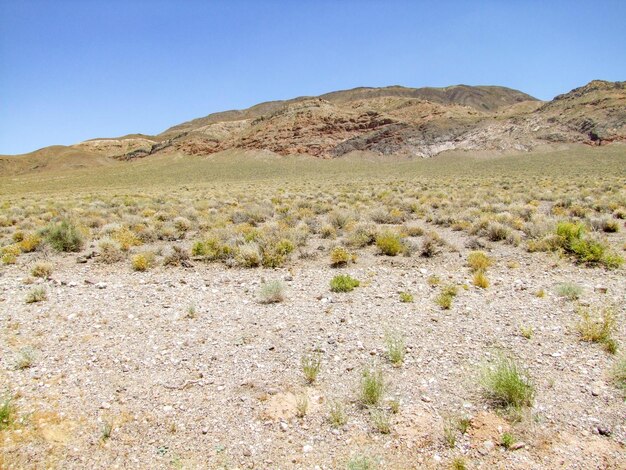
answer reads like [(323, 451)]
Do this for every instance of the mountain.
[(414, 122)]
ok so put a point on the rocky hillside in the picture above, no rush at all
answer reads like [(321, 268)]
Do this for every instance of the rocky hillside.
[(415, 122)]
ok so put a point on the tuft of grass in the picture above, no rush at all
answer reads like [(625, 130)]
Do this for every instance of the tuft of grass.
[(105, 431), (480, 280), (336, 414), (540, 293), (8, 412), (381, 421), (38, 294), (271, 292), (598, 328), (372, 386), (507, 440), (24, 359), (41, 269), (618, 373), (361, 462), (433, 280), (450, 429), (506, 384), (569, 290), (30, 243), (406, 297), (445, 297), (396, 347), (191, 312), (526, 331), (394, 406), (479, 261), (311, 366), (302, 405), (343, 283), (64, 236), (458, 463)]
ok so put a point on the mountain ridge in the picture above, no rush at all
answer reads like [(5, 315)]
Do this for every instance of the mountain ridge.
[(412, 122)]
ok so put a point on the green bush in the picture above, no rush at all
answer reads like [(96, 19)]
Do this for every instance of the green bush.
[(389, 243), (64, 236), (343, 283)]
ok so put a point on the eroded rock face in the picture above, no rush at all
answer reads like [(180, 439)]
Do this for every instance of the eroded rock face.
[(393, 120)]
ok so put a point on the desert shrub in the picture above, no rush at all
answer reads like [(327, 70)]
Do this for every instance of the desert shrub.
[(181, 224), (176, 256), (38, 294), (110, 251), (361, 462), (383, 215), (142, 261), (431, 245), (275, 253), (372, 386), (30, 242), (328, 231), (497, 231), (598, 328), (126, 238), (339, 256), (41, 269), (569, 290), (362, 235), (248, 255), (389, 243), (9, 254), (413, 230), (479, 261), (339, 219), (406, 297), (506, 384), (212, 249), (343, 283), (271, 292), (64, 236)]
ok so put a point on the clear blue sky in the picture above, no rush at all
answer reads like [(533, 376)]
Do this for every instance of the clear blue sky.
[(73, 70)]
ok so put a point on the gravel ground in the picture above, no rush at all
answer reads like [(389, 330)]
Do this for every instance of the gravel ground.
[(220, 390)]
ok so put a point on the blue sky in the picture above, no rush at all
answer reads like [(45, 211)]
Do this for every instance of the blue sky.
[(73, 70)]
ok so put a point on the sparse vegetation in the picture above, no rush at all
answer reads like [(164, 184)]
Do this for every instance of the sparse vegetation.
[(506, 384), (41, 269), (64, 236), (311, 366), (381, 421), (8, 412), (37, 294), (343, 283), (336, 414), (406, 297), (598, 328), (569, 290), (271, 292), (396, 348), (372, 386)]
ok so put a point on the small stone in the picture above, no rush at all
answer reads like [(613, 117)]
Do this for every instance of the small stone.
[(288, 278), (283, 426), (307, 448), (247, 453), (205, 430), (426, 399), (518, 445), (604, 431), (105, 406), (601, 289), (101, 285), (487, 447)]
